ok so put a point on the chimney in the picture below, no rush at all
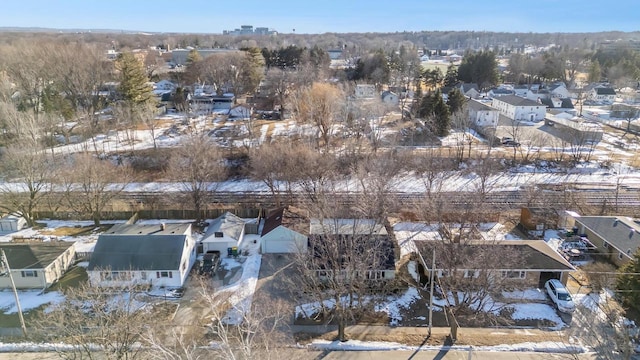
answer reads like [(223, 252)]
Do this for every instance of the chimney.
[(162, 226)]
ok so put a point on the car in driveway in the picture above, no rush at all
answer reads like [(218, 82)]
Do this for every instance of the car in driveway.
[(560, 296)]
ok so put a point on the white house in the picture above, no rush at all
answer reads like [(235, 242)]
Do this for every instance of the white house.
[(521, 90), (482, 115), (281, 233), (559, 90), (602, 95), (519, 109), (133, 254), (389, 98), (226, 231), (36, 266)]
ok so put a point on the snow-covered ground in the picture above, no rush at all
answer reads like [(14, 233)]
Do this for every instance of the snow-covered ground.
[(357, 345), (29, 299)]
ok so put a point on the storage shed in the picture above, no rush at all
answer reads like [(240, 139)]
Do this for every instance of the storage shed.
[(11, 223)]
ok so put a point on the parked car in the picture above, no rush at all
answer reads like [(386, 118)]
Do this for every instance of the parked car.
[(560, 296), (505, 140), (511, 144)]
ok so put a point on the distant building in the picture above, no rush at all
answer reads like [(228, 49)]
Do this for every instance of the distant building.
[(365, 91), (249, 30)]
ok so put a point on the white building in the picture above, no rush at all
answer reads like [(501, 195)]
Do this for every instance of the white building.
[(519, 109), (130, 254), (482, 115), (226, 231)]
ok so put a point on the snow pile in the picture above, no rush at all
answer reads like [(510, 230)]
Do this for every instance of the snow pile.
[(393, 304), (28, 300)]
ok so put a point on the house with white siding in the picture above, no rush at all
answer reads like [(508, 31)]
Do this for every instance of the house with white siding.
[(519, 109), (36, 265), (146, 255)]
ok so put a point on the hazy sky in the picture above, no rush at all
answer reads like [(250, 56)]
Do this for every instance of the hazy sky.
[(313, 16)]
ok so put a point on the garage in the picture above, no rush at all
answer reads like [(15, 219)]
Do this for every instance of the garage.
[(283, 241)]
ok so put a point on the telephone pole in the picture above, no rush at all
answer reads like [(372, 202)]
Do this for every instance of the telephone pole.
[(5, 263)]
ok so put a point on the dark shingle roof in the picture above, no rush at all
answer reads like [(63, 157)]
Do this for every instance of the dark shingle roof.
[(622, 233), (533, 255), (605, 91), (138, 252), (33, 256), (517, 100)]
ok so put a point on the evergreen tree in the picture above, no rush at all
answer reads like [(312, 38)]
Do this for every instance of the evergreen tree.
[(455, 100), (480, 68), (193, 57), (252, 69), (594, 71), (134, 84), (451, 77), (628, 282), (442, 117)]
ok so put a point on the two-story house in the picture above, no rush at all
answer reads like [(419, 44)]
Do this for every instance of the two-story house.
[(519, 109)]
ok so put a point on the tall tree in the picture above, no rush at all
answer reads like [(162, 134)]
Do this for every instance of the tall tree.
[(441, 116), (455, 100), (90, 184), (134, 85), (319, 105), (480, 68), (252, 70), (197, 166), (451, 76)]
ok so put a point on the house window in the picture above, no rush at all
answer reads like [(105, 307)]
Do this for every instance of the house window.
[(606, 245), (143, 275), (514, 274), (164, 274), (184, 266), (443, 273), (115, 275), (375, 274), (471, 273), (619, 256), (29, 273)]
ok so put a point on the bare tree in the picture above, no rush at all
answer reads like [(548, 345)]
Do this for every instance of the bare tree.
[(30, 172), (319, 105), (98, 323), (269, 164), (343, 272), (91, 184), (197, 166)]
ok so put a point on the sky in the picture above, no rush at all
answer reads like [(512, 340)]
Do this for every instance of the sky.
[(311, 16)]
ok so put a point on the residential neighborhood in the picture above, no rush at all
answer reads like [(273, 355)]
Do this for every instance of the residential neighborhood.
[(254, 193)]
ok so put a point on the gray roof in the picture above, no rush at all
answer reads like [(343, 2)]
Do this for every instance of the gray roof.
[(347, 227), (228, 224), (477, 105), (535, 255), (148, 229), (605, 91), (33, 256), (465, 87), (137, 252), (621, 232), (517, 100)]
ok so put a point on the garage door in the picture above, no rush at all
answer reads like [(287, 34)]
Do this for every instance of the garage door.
[(279, 247)]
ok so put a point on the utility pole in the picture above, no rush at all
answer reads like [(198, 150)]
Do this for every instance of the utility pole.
[(431, 281), (5, 262)]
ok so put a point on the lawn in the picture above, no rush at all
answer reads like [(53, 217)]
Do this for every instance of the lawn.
[(74, 230)]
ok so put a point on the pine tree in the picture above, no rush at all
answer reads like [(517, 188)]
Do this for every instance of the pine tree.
[(441, 115), (252, 69), (628, 282), (134, 85), (451, 77), (455, 100)]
